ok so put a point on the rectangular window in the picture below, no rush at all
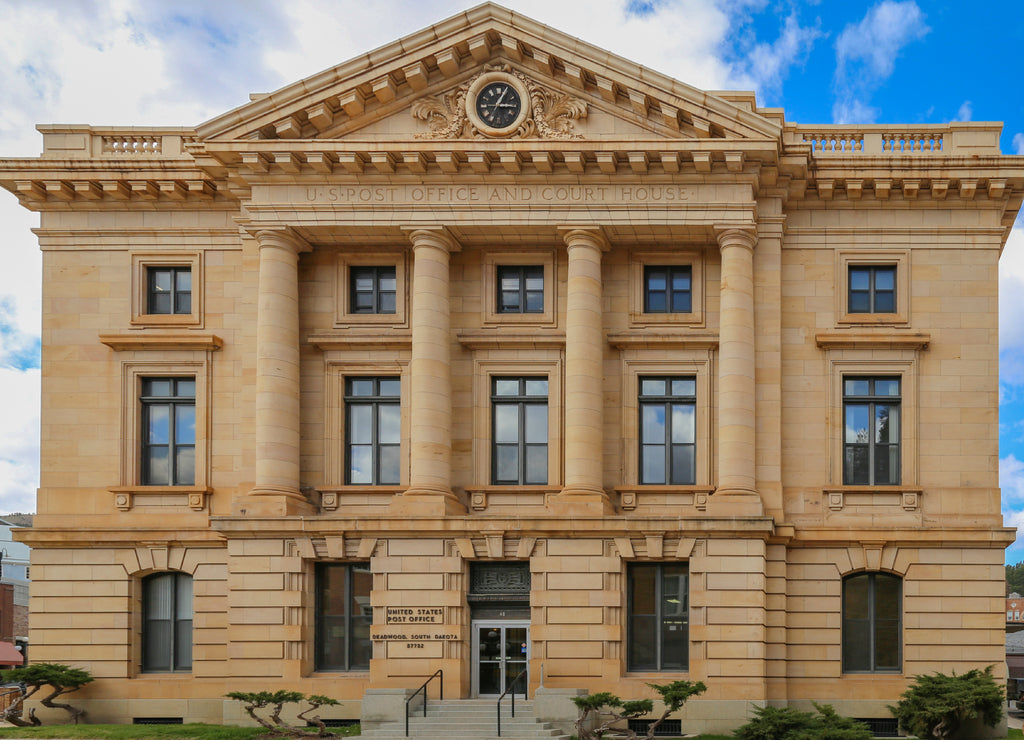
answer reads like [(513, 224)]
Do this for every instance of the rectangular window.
[(872, 289), (373, 289), (871, 414), (668, 289), (167, 622), (668, 430), (658, 617), (343, 616), (373, 431), (521, 289), (168, 431), (872, 623), (169, 290), (519, 412)]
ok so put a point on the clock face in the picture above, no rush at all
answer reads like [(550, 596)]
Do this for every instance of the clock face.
[(498, 104)]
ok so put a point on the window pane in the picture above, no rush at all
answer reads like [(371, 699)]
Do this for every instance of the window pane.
[(885, 302), (157, 645), (506, 387), (183, 303), (652, 387), (857, 466), (860, 279), (159, 424), (510, 301), (536, 423), (360, 424), (363, 281), (390, 387), (887, 387), (160, 303), (642, 643), (506, 423), (656, 302), (535, 283), (362, 646), (186, 388), (887, 646), (160, 387), (360, 387), (183, 280), (653, 464), (673, 592), (183, 597), (537, 387), (390, 465), (185, 466), (388, 283), (157, 596), (885, 279), (387, 303), (510, 283), (507, 467), (674, 645), (652, 423), (857, 423), (657, 280), (536, 465), (885, 470), (681, 280), (857, 387), (684, 387), (683, 423), (158, 466), (184, 424), (856, 645), (855, 597), (681, 302), (389, 424), (183, 645), (683, 466), (360, 466), (886, 423), (887, 596), (642, 589), (535, 302)]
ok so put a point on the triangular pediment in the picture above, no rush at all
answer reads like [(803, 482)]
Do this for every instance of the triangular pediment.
[(417, 87)]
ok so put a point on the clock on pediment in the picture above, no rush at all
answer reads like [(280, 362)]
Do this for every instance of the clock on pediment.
[(497, 103)]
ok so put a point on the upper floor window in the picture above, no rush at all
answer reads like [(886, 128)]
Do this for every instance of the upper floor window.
[(658, 614), (373, 290), (168, 290), (872, 623), (668, 289), (373, 431), (168, 431), (519, 410), (167, 622), (871, 414), (343, 616), (668, 430), (521, 289), (872, 289)]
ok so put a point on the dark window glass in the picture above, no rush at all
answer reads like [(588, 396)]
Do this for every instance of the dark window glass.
[(521, 289), (168, 431), (167, 622), (658, 617), (372, 289), (872, 289), (343, 616), (668, 430), (668, 289), (519, 411), (871, 623), (169, 290), (871, 433), (373, 431)]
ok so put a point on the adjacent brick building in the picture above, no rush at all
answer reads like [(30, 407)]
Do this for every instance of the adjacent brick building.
[(488, 351)]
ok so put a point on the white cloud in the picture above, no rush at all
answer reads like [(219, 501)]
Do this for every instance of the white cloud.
[(1018, 143), (1011, 308), (866, 54), (768, 64), (965, 112), (19, 440)]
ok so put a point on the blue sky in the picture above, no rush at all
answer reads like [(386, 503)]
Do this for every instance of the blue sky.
[(158, 62)]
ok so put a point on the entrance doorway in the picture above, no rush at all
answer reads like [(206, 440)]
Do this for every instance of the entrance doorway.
[(501, 651)]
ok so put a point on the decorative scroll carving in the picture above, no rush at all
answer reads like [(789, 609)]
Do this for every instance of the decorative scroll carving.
[(552, 114)]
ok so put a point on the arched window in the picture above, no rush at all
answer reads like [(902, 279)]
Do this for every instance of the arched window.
[(167, 622), (872, 627)]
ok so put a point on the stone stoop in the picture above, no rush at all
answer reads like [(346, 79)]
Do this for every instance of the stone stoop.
[(473, 719)]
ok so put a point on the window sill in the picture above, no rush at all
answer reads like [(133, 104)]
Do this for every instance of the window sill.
[(906, 497), (331, 497), (189, 340), (158, 320), (377, 338), (696, 496), (503, 339), (479, 495), (878, 339), (126, 497), (661, 338)]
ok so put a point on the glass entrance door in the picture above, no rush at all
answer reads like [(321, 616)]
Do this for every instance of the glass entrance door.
[(501, 651)]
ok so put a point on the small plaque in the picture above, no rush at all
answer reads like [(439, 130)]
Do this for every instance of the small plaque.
[(415, 615)]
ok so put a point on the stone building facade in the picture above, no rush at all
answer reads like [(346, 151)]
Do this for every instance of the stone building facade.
[(489, 350)]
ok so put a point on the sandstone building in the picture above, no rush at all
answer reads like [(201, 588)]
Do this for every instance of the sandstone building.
[(489, 350)]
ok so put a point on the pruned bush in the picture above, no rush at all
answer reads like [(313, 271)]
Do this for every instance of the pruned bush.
[(773, 723), (936, 705), (60, 678), (274, 701), (595, 724)]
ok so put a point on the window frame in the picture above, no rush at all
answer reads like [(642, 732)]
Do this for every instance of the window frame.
[(145, 659), (671, 273), (871, 400), (847, 260), (523, 275), (667, 401), (872, 622), (376, 402), (490, 264), (522, 401), (641, 260), (344, 317), (377, 274), (142, 264), (659, 616), (172, 402), (320, 618), (873, 291), (153, 292)]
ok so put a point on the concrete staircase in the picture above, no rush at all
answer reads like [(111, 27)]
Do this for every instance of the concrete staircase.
[(471, 719)]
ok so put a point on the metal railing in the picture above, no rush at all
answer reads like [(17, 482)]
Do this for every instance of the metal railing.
[(511, 688), (423, 688)]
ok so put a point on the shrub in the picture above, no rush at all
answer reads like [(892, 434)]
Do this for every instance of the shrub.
[(773, 723), (275, 701), (618, 712), (936, 705), (60, 678)]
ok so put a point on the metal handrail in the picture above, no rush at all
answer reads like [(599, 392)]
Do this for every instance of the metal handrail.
[(423, 688), (511, 687)]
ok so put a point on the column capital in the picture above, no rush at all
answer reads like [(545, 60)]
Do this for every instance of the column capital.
[(731, 236), (282, 238), (584, 236), (437, 237)]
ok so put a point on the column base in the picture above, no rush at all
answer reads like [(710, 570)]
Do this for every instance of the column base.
[(735, 503), (419, 502), (580, 502), (273, 502)]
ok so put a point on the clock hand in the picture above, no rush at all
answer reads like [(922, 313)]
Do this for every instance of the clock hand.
[(501, 97)]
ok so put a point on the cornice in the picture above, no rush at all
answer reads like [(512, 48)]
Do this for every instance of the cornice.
[(512, 339), (659, 339), (880, 339)]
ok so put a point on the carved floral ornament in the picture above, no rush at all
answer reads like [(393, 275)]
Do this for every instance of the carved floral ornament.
[(542, 113)]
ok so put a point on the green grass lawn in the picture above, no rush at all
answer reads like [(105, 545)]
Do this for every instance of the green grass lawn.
[(150, 732)]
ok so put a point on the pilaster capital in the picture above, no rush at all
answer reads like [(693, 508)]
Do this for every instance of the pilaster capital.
[(584, 236), (732, 236), (281, 238), (436, 237)]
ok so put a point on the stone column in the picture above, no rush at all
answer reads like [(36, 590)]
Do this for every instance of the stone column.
[(276, 490), (584, 493), (736, 423), (430, 411)]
